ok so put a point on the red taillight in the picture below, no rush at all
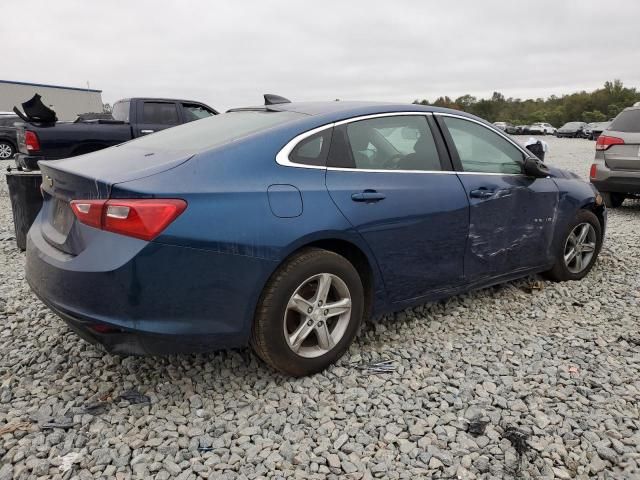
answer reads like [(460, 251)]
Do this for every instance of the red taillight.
[(89, 212), (31, 141), (139, 218), (605, 141), (592, 172)]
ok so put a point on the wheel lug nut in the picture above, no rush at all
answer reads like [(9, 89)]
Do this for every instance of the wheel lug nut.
[(320, 303), (320, 323), (326, 312), (309, 310), (309, 323)]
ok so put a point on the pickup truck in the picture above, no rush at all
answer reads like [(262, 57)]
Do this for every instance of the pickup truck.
[(41, 137)]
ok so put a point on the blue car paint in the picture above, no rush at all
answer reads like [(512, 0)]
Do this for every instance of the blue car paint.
[(201, 279), (421, 226), (512, 228)]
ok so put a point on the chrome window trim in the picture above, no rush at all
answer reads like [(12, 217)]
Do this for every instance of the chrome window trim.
[(381, 115), (282, 157)]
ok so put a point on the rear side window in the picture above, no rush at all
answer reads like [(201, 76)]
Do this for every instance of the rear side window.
[(213, 131), (482, 150), (121, 111), (195, 112), (160, 113), (402, 142), (626, 121), (312, 150)]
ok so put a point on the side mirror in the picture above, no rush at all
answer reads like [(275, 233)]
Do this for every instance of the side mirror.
[(534, 167)]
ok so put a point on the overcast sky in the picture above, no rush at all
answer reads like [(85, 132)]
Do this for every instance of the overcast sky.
[(228, 53)]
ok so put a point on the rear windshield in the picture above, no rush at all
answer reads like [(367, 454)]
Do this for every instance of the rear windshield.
[(121, 111), (214, 131), (627, 121)]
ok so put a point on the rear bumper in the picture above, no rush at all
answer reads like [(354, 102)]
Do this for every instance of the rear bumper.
[(616, 181), (132, 342), (135, 297), (28, 162)]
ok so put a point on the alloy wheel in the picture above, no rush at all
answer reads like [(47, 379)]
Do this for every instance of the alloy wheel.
[(580, 247), (5, 151), (317, 315)]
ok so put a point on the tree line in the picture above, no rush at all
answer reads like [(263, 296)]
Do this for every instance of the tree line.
[(597, 106)]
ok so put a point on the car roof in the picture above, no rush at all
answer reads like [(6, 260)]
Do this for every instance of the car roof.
[(339, 110), (158, 99)]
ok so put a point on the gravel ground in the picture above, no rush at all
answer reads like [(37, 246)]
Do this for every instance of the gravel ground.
[(525, 380)]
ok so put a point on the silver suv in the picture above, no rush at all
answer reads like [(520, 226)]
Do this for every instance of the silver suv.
[(616, 169)]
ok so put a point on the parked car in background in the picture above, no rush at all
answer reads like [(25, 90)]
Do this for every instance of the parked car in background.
[(571, 129), (132, 118), (616, 169), (506, 127), (283, 226), (8, 136), (596, 129), (536, 129), (544, 128), (522, 129)]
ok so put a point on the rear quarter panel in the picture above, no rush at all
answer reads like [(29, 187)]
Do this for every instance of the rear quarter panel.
[(228, 214)]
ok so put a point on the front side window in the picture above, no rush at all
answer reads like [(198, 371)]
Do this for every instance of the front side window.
[(402, 142), (195, 112), (482, 150), (160, 113), (312, 150)]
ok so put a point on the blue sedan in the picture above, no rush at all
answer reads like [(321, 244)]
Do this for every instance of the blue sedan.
[(283, 226)]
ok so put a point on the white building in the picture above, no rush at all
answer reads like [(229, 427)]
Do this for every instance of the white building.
[(67, 102)]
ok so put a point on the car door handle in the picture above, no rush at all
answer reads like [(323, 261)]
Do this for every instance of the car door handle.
[(481, 193), (146, 131), (368, 196)]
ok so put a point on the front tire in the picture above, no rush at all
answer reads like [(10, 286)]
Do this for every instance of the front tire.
[(612, 200), (309, 313), (578, 249)]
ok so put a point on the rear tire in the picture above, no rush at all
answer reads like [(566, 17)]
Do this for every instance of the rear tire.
[(6, 151), (295, 331), (567, 266), (613, 200)]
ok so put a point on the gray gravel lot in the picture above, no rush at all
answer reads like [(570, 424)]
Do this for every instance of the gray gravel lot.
[(551, 369)]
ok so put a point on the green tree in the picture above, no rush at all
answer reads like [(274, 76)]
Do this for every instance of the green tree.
[(602, 103), (594, 116)]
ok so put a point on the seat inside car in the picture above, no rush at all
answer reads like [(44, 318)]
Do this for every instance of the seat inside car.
[(425, 156)]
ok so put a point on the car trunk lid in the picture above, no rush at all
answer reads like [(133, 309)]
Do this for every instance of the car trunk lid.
[(624, 156), (90, 177)]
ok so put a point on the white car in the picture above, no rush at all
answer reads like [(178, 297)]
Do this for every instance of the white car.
[(542, 128)]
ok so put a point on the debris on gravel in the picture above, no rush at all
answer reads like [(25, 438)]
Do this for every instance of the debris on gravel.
[(558, 362)]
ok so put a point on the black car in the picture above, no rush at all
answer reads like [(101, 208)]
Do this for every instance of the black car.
[(572, 129), (596, 130), (8, 140)]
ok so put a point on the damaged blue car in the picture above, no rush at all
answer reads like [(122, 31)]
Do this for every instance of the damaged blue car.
[(283, 226)]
